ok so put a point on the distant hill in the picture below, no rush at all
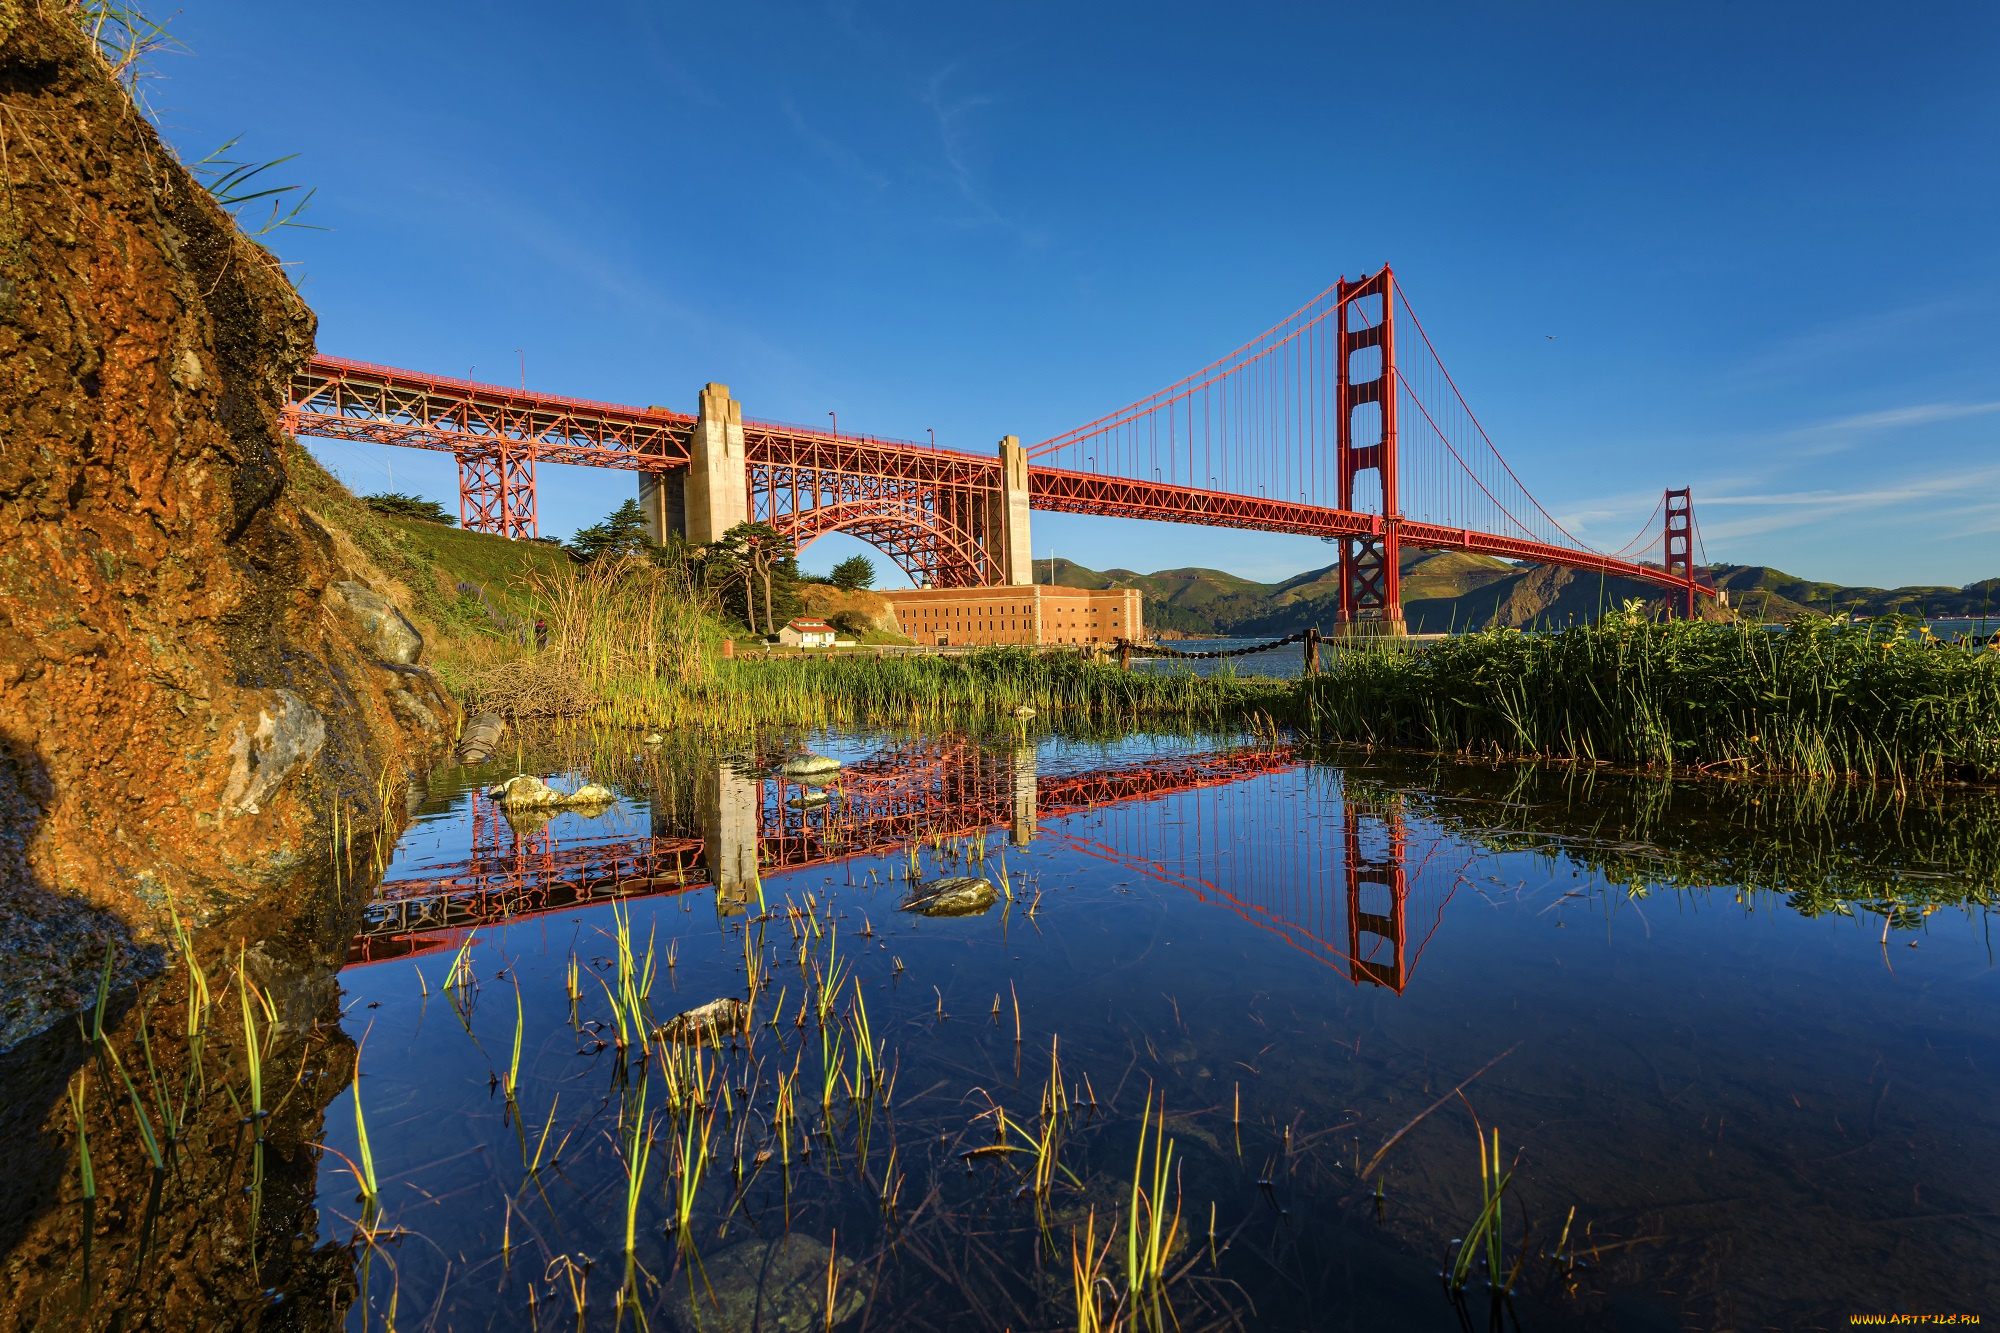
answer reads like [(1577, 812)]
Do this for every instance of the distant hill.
[(1447, 590)]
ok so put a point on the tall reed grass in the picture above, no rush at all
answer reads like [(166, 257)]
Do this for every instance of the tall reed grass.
[(1822, 697)]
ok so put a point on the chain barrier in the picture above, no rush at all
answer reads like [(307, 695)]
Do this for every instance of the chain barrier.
[(1155, 650)]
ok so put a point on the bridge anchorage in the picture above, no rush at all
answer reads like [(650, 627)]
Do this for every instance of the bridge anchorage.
[(1339, 422)]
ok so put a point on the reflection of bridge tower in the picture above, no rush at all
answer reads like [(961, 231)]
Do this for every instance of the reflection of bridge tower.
[(1024, 796), (1376, 875), (731, 813)]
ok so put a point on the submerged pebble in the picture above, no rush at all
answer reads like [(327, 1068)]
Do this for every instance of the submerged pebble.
[(707, 1022), (778, 1286)]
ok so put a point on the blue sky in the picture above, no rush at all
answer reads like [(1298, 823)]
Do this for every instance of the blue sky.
[(1765, 237)]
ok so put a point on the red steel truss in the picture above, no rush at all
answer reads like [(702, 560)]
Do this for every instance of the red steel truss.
[(1319, 407), (925, 508), (943, 788)]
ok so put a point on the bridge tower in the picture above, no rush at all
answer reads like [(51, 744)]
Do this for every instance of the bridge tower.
[(1677, 542), (732, 810), (1010, 556), (1371, 583), (1376, 875)]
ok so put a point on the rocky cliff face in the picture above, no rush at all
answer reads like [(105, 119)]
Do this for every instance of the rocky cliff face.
[(190, 683)]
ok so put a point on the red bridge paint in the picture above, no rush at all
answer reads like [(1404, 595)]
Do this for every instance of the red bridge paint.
[(1340, 422)]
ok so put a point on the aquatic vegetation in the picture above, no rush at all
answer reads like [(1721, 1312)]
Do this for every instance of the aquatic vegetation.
[(1822, 698), (1825, 849), (1488, 1227), (938, 1216), (1150, 1232), (371, 1190)]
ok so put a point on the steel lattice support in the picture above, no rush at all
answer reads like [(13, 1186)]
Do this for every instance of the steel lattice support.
[(496, 493), (1370, 566)]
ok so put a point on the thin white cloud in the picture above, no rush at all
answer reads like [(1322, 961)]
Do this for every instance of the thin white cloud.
[(1845, 433), (1788, 510), (837, 154), (1850, 339), (948, 116)]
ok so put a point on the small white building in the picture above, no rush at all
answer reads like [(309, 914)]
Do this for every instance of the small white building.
[(803, 633)]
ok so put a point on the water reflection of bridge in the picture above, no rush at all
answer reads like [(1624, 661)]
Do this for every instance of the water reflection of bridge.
[(731, 825)]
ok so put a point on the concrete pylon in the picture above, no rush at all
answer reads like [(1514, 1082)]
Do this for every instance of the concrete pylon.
[(716, 495), (731, 819), (1007, 532), (1025, 772), (663, 500)]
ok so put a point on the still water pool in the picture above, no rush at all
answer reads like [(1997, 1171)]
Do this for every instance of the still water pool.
[(1186, 1032), (1736, 1046)]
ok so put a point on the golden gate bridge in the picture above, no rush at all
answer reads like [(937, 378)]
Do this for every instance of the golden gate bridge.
[(1339, 422)]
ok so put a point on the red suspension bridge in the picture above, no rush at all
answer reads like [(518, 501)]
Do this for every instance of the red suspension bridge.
[(1339, 422)]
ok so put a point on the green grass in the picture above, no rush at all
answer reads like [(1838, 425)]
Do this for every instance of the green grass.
[(928, 690), (429, 559), (1821, 698)]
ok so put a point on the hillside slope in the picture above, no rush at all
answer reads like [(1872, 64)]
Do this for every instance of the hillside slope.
[(1453, 590)]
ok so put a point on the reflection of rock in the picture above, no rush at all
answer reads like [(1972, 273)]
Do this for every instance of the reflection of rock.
[(808, 765), (383, 629), (960, 895), (482, 736), (707, 1022), (526, 791), (775, 1287), (528, 820)]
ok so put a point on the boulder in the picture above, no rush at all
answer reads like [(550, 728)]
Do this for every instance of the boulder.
[(382, 628), (707, 1022), (525, 791), (776, 1286), (186, 694), (961, 895)]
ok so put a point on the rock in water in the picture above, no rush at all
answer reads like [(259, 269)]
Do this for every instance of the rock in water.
[(777, 1287), (961, 895), (811, 800), (707, 1022), (481, 738), (526, 791), (1023, 713), (807, 765)]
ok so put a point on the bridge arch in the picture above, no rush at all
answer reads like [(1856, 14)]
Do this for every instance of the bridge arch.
[(932, 549)]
